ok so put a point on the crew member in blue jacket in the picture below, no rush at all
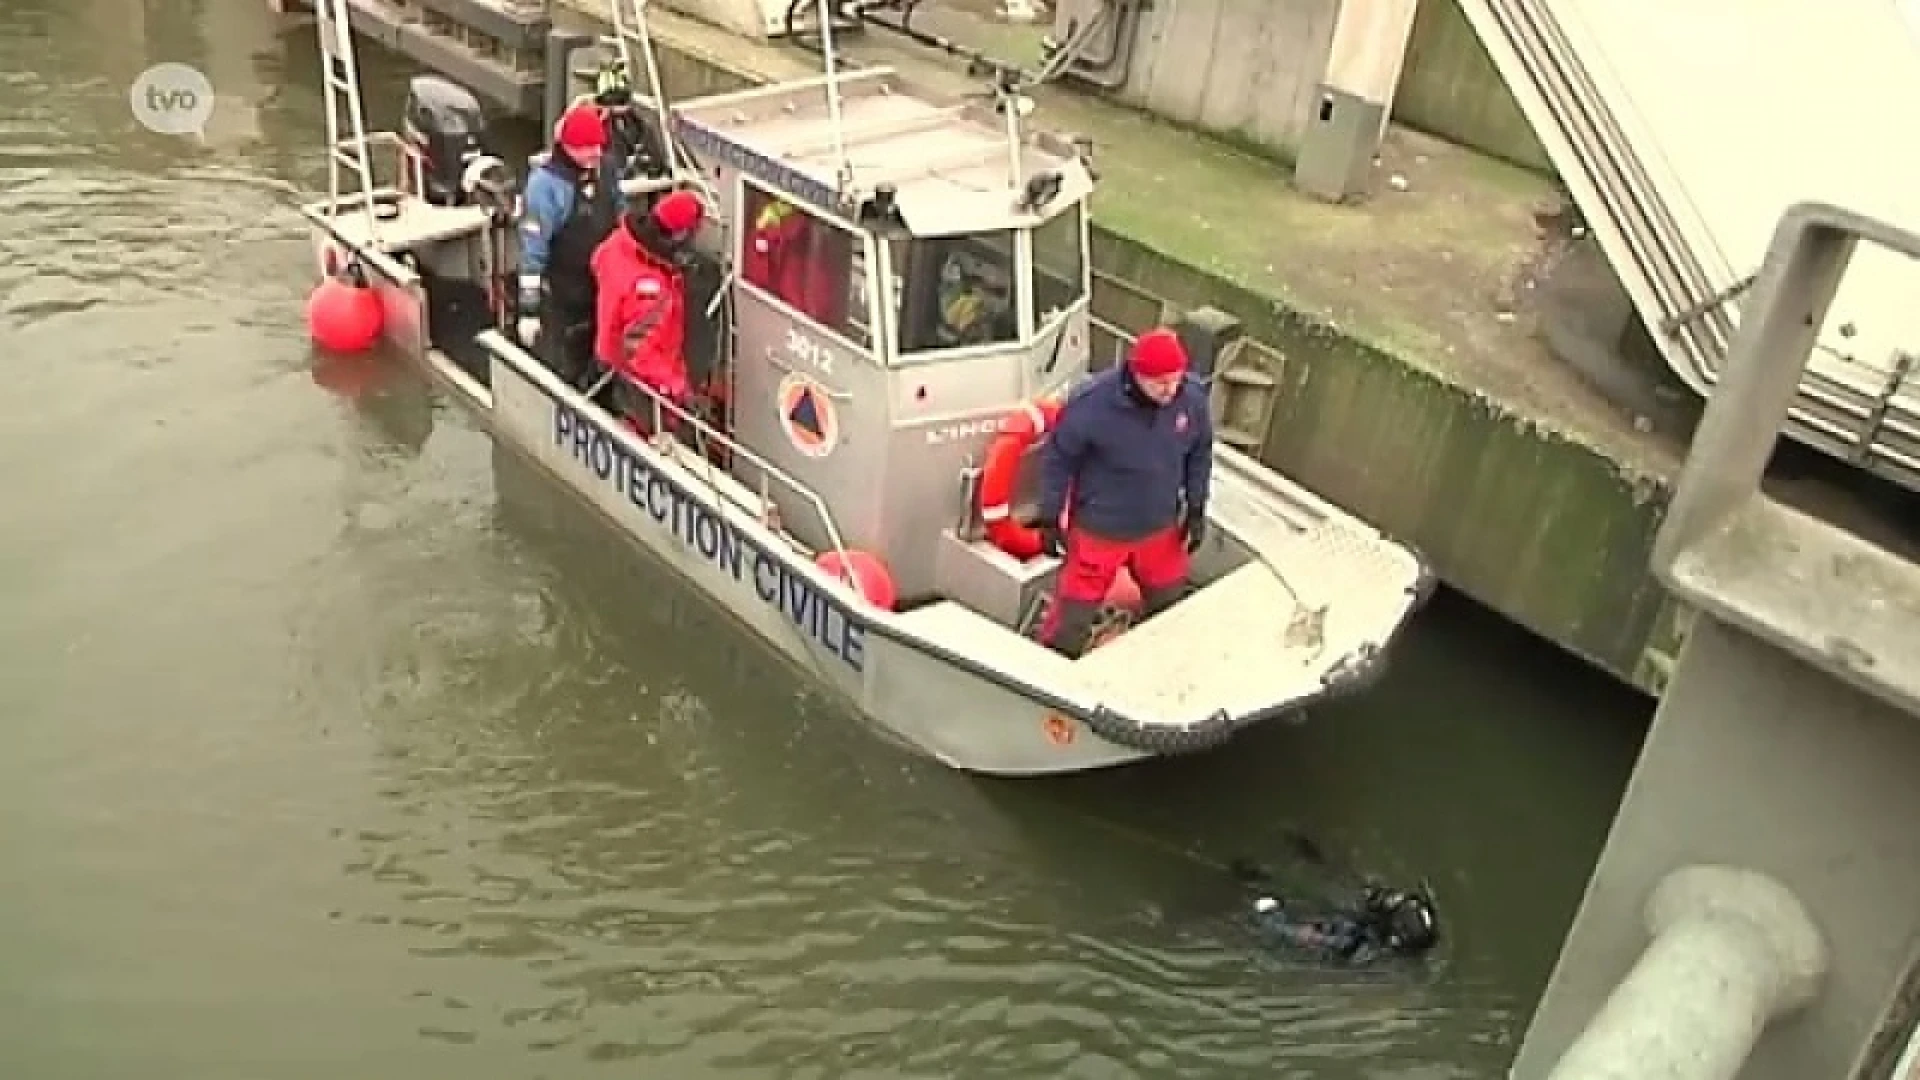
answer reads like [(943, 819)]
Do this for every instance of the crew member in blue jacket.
[(568, 210), (1133, 449)]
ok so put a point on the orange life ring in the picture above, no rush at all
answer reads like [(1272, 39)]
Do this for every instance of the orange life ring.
[(1019, 430)]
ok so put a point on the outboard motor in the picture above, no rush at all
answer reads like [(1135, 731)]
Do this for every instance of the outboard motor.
[(444, 126)]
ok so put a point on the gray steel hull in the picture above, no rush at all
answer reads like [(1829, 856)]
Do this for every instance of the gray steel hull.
[(941, 677), (816, 623)]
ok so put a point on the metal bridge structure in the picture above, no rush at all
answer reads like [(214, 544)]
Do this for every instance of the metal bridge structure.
[(1755, 913), (1684, 129)]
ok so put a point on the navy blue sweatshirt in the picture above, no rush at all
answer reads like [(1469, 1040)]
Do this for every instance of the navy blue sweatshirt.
[(1131, 465)]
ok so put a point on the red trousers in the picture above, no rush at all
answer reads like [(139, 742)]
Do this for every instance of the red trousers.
[(1158, 561)]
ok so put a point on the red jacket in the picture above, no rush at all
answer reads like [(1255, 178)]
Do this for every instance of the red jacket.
[(640, 318), (790, 256)]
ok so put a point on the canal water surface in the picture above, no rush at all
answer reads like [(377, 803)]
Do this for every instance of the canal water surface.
[(334, 746)]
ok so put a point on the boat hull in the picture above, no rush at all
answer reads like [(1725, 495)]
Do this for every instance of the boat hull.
[(941, 678), (814, 621)]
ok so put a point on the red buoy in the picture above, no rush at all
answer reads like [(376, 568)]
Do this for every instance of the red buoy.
[(344, 316), (865, 572)]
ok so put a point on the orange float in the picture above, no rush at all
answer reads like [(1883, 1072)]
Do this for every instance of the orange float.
[(344, 314), (865, 572), (1018, 432)]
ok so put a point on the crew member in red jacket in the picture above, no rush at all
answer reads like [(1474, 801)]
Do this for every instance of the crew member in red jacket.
[(641, 327)]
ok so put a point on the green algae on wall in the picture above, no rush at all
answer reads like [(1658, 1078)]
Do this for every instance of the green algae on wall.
[(1535, 526)]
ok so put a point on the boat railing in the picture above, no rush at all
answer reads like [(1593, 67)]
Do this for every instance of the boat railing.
[(669, 420), (409, 168)]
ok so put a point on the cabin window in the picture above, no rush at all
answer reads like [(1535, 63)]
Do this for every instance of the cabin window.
[(954, 292), (1059, 264), (810, 264)]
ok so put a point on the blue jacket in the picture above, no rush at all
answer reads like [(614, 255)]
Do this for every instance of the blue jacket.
[(1132, 466), (547, 202), (1334, 937)]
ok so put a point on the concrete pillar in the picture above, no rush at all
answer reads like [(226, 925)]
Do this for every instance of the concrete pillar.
[(1731, 950), (1369, 47), (1788, 741), (557, 88)]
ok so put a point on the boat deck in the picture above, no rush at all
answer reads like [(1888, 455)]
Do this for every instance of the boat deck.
[(413, 223), (1319, 593), (1265, 634), (456, 316)]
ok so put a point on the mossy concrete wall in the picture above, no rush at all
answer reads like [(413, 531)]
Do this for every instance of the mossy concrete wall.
[(1544, 529), (1260, 84), (1450, 88)]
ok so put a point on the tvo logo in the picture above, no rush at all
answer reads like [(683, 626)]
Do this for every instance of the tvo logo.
[(172, 99)]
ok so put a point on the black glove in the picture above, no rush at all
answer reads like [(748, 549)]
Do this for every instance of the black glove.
[(1051, 542), (529, 296), (1195, 530)]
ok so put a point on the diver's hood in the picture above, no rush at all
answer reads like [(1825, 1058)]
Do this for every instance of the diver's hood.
[(1410, 921)]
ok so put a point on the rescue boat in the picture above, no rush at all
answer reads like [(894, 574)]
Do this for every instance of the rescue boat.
[(863, 505)]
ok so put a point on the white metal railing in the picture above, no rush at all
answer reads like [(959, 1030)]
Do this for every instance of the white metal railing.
[(409, 165), (705, 437), (1693, 323)]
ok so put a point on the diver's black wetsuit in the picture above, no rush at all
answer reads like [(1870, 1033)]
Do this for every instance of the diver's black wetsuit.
[(1385, 922)]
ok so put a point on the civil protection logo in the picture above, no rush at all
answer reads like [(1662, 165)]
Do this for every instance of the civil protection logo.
[(807, 416), (172, 99)]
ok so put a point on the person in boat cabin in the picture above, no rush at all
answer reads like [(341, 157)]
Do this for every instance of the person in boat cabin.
[(973, 309), (1133, 449), (567, 211), (794, 257), (641, 318)]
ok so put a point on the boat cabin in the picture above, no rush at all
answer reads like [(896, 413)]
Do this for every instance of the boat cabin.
[(907, 272)]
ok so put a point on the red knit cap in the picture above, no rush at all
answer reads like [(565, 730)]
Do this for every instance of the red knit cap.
[(581, 129), (1157, 354), (678, 211)]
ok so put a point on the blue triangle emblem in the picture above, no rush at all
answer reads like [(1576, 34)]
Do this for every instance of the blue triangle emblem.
[(805, 415)]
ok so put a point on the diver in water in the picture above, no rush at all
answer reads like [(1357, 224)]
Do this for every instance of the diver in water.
[(1379, 923)]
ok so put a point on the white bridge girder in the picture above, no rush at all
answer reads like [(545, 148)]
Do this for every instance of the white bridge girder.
[(1685, 128)]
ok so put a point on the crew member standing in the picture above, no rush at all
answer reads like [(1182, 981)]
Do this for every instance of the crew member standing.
[(632, 151), (568, 212), (642, 310), (1134, 448)]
